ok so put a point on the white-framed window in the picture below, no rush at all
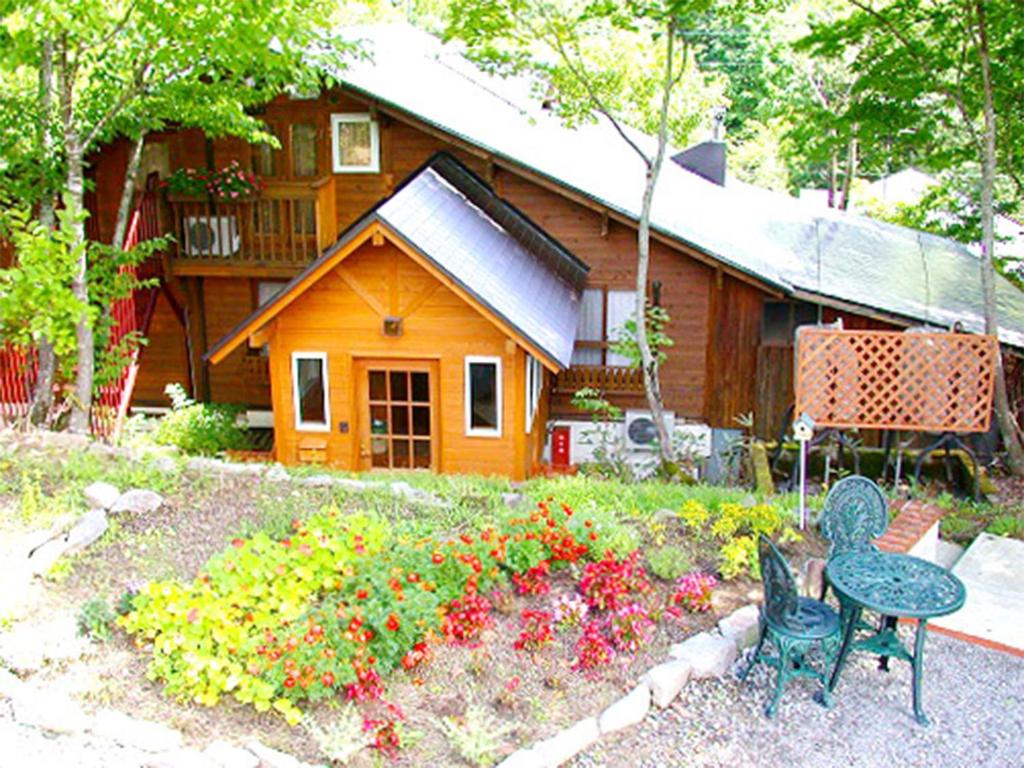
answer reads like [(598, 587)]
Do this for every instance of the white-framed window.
[(603, 312), (534, 385), (310, 395), (483, 396), (355, 143)]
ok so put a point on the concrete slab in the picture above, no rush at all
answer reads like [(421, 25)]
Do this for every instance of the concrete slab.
[(992, 569), (947, 554)]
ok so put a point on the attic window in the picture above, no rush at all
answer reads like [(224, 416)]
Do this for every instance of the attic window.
[(355, 143)]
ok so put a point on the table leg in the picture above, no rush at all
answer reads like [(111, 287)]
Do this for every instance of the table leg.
[(917, 664), (886, 624), (851, 615)]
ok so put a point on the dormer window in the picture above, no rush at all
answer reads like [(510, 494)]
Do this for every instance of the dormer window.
[(355, 143)]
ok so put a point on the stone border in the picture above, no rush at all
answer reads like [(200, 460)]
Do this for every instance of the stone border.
[(146, 743), (704, 655)]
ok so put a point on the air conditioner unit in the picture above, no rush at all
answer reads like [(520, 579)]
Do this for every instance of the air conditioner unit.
[(212, 236), (641, 434)]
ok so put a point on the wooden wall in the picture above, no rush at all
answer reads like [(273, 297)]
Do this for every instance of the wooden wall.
[(709, 374), (334, 318), (164, 360)]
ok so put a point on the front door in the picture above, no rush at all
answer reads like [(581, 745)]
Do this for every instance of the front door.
[(397, 414)]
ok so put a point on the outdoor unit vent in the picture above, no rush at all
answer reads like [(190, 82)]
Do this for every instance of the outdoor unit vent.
[(641, 434), (212, 236)]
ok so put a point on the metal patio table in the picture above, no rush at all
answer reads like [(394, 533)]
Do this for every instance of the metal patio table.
[(896, 586)]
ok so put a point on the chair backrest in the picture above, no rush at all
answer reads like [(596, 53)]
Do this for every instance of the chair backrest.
[(780, 595), (855, 514)]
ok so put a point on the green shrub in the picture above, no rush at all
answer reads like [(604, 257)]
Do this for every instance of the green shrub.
[(199, 428), (95, 620), (668, 563), (1007, 525)]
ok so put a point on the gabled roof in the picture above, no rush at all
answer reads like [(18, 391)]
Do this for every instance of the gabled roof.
[(454, 225), (831, 257)]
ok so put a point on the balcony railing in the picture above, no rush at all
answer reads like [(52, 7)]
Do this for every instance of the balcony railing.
[(610, 379), (283, 228)]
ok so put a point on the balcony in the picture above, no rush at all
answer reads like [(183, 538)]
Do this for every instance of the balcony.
[(609, 379), (274, 234)]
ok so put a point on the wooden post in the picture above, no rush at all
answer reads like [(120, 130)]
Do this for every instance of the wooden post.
[(195, 333)]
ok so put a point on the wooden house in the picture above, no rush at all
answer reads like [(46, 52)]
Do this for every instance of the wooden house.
[(427, 223)]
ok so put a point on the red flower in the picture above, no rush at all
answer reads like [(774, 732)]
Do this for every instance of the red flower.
[(392, 623), (238, 543), (327, 679), (438, 558), (362, 594)]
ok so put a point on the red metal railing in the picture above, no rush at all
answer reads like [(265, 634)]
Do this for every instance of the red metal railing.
[(131, 315), (19, 366)]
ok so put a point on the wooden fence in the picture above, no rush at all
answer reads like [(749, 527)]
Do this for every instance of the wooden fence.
[(928, 382)]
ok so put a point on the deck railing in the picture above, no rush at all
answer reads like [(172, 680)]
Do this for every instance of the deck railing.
[(286, 225), (610, 379)]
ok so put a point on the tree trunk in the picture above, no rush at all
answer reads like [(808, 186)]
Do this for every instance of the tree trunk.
[(833, 170), (849, 172), (42, 396), (648, 363), (74, 203), (124, 209), (1004, 413)]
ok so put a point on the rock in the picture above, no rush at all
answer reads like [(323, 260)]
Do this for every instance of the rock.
[(10, 684), (741, 626), (250, 468), (563, 746), (629, 710), (521, 758), (36, 539), (180, 758), (101, 495), (277, 474), (352, 484), (224, 755), (137, 501), (512, 499), (29, 646), (130, 732), (666, 681), (48, 711), (316, 481), (43, 557), (813, 577), (165, 464), (87, 530), (708, 654), (271, 758), (204, 464)]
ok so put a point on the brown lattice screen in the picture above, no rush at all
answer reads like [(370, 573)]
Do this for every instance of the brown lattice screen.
[(930, 382)]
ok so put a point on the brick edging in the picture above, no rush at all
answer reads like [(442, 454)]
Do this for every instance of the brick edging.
[(913, 520)]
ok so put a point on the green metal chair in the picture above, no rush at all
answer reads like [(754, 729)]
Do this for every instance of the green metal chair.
[(855, 513), (792, 625)]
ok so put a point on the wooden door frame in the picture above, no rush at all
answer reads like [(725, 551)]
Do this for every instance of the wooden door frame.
[(361, 366)]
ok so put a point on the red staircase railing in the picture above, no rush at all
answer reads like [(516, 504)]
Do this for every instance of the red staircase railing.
[(19, 366)]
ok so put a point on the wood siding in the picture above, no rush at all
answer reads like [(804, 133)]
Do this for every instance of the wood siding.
[(346, 323), (164, 360), (710, 372)]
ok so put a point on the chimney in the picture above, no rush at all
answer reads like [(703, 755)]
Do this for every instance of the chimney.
[(707, 159)]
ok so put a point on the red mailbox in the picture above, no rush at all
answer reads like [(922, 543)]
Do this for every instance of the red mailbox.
[(561, 443)]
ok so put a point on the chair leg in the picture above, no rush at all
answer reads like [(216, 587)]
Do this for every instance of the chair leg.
[(829, 652), (780, 679), (757, 651)]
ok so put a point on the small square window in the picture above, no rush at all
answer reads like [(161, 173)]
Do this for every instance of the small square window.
[(483, 396), (355, 143)]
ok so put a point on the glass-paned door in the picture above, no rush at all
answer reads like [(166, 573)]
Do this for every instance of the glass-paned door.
[(400, 430)]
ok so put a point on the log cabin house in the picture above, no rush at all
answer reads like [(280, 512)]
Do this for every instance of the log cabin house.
[(436, 264)]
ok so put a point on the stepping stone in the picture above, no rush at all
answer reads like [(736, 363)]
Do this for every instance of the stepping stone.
[(137, 501), (992, 570)]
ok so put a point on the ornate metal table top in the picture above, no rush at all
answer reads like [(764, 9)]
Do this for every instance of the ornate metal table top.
[(896, 585)]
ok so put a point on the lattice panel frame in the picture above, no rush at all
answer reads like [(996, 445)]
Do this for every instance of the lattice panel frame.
[(926, 382)]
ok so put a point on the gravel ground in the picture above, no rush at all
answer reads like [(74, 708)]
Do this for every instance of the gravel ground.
[(973, 696)]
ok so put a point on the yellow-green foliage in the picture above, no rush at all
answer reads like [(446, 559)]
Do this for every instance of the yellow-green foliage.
[(205, 633), (736, 528)]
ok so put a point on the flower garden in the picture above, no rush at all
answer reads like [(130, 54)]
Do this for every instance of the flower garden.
[(347, 609)]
